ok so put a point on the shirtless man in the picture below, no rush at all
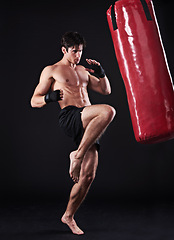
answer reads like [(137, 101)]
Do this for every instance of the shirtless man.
[(79, 119)]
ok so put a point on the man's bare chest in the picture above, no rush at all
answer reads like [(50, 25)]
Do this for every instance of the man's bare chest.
[(71, 77)]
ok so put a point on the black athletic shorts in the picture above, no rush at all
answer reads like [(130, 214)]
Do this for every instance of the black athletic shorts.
[(71, 123)]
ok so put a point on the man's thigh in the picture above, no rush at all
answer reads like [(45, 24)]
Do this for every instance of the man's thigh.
[(91, 112)]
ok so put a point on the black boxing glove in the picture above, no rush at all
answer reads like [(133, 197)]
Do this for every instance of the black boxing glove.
[(98, 70), (53, 96)]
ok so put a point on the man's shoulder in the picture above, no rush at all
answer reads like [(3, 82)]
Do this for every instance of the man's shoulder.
[(48, 69), (80, 67), (47, 72)]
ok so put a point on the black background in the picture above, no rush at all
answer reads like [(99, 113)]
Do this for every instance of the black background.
[(34, 151)]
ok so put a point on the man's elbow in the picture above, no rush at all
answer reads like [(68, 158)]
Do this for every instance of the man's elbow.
[(107, 92), (34, 104)]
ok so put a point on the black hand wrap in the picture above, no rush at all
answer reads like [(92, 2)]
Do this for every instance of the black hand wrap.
[(98, 70), (53, 96)]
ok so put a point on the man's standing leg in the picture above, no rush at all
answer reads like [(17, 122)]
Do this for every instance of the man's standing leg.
[(80, 189)]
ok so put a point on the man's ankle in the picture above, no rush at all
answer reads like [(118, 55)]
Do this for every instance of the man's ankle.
[(68, 215)]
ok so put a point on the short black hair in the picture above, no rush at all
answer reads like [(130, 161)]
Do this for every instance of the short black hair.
[(71, 39)]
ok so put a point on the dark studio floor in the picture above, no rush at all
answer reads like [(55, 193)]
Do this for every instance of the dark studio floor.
[(117, 221)]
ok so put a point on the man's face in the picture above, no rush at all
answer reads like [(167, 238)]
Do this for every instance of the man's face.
[(74, 54)]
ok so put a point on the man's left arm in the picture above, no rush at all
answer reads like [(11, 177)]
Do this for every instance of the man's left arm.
[(100, 83)]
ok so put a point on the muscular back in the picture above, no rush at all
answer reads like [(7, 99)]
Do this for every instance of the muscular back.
[(73, 82)]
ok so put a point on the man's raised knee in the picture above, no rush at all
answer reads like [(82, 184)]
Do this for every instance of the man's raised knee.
[(108, 113)]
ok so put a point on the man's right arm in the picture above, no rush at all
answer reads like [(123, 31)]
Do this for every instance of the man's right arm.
[(38, 98)]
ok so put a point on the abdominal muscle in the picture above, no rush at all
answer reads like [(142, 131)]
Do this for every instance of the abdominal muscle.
[(74, 96)]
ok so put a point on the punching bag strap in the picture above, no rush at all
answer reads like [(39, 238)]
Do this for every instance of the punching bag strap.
[(146, 10), (113, 17)]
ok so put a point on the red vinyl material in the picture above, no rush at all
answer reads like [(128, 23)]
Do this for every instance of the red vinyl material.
[(144, 69)]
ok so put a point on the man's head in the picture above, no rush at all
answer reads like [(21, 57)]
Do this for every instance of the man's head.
[(72, 44)]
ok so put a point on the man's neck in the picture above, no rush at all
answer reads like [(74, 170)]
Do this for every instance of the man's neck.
[(68, 63)]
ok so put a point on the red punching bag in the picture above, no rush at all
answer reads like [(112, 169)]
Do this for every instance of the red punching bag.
[(143, 66)]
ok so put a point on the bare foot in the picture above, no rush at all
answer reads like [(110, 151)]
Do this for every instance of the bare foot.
[(75, 166), (72, 225)]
